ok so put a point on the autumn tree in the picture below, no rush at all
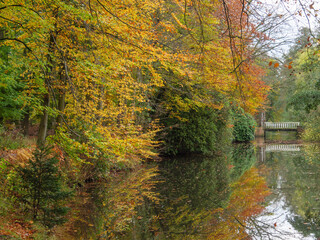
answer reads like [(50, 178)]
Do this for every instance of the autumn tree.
[(84, 77), (101, 73)]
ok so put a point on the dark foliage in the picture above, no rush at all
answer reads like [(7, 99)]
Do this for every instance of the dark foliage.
[(244, 126), (42, 190), (198, 131)]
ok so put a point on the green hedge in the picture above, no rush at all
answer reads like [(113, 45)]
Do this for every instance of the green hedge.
[(197, 131), (244, 126)]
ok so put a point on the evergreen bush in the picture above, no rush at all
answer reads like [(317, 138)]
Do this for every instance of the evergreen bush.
[(197, 131), (41, 188), (244, 126)]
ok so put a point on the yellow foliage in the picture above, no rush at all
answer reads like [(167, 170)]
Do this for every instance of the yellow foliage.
[(107, 58)]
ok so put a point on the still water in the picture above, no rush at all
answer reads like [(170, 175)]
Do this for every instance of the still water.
[(246, 191)]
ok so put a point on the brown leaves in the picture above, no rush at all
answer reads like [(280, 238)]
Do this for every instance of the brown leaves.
[(311, 6), (14, 227), (17, 156)]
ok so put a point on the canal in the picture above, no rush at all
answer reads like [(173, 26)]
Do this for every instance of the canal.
[(245, 191)]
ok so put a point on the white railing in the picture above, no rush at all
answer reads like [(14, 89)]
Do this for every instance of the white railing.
[(283, 148), (281, 125)]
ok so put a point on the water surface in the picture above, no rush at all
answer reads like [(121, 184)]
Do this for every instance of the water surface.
[(243, 192)]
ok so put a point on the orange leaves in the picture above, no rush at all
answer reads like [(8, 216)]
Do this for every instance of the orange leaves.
[(243, 70), (248, 194), (290, 65), (275, 64), (109, 65), (246, 201), (252, 90)]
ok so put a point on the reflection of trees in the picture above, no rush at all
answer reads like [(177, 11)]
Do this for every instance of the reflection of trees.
[(123, 199), (306, 227), (299, 178), (305, 196), (191, 188), (106, 210), (272, 163), (187, 213), (196, 201), (245, 203), (85, 216), (243, 158), (203, 180)]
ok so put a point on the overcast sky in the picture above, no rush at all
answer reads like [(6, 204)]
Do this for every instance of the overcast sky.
[(297, 14)]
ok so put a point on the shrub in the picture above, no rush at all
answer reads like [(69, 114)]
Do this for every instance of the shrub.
[(198, 131), (41, 188), (244, 126)]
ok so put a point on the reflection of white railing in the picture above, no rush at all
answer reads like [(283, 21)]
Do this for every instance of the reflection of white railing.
[(281, 125), (283, 148)]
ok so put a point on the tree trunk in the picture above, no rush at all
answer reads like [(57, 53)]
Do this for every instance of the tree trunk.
[(61, 105), (43, 128), (26, 123)]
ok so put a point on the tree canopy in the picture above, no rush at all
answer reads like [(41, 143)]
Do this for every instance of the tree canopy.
[(100, 73)]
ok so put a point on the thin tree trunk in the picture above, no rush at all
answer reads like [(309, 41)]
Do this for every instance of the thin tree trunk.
[(61, 106), (43, 128), (26, 123)]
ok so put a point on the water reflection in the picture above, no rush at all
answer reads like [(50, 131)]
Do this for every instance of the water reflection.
[(281, 135), (106, 210), (293, 208), (268, 192), (190, 189), (204, 198), (242, 158)]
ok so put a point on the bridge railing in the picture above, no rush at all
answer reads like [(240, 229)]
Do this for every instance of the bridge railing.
[(281, 125), (283, 148)]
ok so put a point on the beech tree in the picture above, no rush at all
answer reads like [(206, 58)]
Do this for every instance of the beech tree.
[(97, 70)]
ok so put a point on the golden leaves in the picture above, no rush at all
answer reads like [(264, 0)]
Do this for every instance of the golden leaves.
[(110, 63), (125, 196)]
